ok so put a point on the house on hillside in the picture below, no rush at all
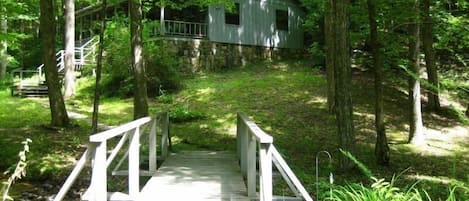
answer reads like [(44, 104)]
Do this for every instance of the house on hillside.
[(268, 23), (250, 29)]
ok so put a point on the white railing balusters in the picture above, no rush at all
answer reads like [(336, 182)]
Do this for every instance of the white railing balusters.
[(116, 149), (97, 154), (188, 29), (75, 172), (251, 138), (84, 52)]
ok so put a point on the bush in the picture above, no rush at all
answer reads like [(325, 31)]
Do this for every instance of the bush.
[(183, 114)]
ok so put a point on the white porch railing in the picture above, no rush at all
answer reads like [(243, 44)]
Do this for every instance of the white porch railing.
[(97, 154), (186, 29), (82, 57), (250, 138)]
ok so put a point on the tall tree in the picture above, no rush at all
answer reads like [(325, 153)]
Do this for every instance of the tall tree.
[(138, 66), (69, 58), (432, 71), (59, 115), (381, 146), (99, 66), (329, 47), (3, 42), (416, 132), (343, 80)]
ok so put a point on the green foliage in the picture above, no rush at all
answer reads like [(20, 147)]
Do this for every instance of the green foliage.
[(367, 172), (161, 67), (181, 113), (452, 32), (19, 171), (381, 189), (164, 97), (19, 16)]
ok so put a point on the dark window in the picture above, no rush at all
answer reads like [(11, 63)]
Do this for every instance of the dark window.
[(232, 15), (281, 19)]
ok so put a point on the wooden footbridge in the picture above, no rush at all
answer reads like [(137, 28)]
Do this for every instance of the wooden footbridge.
[(192, 175)]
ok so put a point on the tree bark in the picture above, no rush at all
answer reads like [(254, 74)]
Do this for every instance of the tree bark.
[(3, 44), (330, 44), (59, 115), (69, 58), (416, 132), (99, 64), (432, 70), (381, 147), (343, 81), (140, 92), (467, 110)]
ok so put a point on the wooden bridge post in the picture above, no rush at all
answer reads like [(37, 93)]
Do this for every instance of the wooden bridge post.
[(134, 169), (242, 131), (265, 171), (152, 144), (165, 136), (99, 173), (251, 164)]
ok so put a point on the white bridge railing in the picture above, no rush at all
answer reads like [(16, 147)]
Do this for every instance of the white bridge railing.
[(251, 139), (83, 56), (101, 158)]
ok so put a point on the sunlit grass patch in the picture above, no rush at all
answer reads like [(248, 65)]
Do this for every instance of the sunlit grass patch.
[(18, 113)]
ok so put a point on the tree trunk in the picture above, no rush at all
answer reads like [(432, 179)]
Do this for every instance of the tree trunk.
[(343, 81), (381, 146), (3, 45), (330, 44), (416, 134), (59, 115), (69, 58), (467, 110), (99, 64), (432, 71), (140, 92)]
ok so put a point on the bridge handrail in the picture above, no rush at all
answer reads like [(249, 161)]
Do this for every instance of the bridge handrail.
[(250, 138), (98, 153)]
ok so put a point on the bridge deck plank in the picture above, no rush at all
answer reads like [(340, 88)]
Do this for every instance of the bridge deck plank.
[(197, 176)]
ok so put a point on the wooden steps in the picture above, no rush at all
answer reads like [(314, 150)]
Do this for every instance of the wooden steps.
[(29, 90)]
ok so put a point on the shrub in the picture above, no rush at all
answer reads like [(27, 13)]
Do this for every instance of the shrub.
[(183, 114)]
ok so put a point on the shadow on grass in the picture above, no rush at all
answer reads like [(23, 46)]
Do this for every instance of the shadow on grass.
[(289, 103)]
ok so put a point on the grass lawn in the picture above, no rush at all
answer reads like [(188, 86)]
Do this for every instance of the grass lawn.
[(286, 99)]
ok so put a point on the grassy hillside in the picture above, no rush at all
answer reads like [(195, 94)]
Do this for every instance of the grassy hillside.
[(286, 99)]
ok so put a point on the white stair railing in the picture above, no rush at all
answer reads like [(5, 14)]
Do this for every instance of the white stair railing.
[(250, 138), (97, 154), (82, 57)]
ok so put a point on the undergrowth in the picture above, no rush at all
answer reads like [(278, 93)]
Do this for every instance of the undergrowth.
[(382, 190)]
